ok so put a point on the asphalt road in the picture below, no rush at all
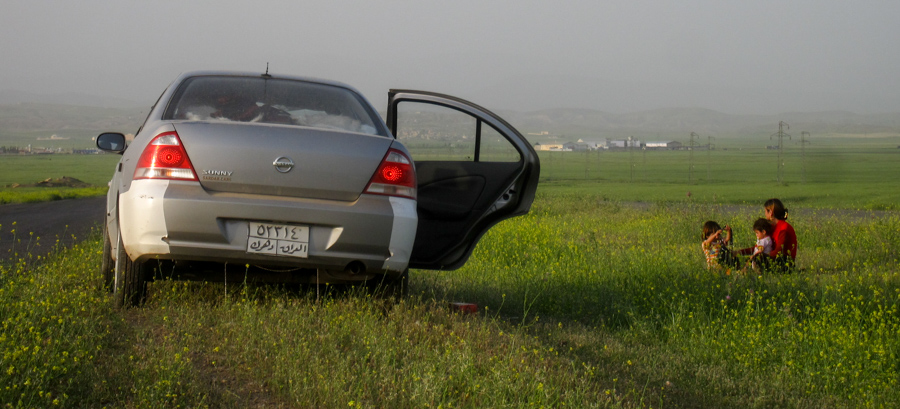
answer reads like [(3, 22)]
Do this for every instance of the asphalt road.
[(38, 226)]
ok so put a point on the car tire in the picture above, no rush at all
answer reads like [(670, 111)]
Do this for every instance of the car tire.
[(130, 287), (395, 287), (107, 264)]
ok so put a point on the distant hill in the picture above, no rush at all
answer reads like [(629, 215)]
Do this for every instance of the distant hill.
[(25, 122), (8, 96), (63, 126), (26, 117)]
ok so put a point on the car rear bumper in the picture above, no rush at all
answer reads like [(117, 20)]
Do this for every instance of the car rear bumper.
[(181, 221)]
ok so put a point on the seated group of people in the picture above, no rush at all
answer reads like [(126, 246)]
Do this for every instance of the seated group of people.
[(775, 249)]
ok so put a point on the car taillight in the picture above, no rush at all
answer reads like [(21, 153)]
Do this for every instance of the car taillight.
[(394, 177), (165, 158)]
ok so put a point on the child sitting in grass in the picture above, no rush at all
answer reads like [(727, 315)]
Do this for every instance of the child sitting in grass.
[(716, 247), (760, 258)]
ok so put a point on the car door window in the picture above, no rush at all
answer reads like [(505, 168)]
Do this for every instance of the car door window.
[(473, 170), (495, 147), (437, 133)]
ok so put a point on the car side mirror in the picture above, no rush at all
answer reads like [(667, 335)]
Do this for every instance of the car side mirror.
[(111, 142)]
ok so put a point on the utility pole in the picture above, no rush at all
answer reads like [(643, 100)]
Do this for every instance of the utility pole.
[(803, 142), (587, 158), (781, 134), (644, 165), (631, 155), (691, 158), (709, 148), (598, 159)]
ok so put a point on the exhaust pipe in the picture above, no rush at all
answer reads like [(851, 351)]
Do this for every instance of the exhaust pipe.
[(355, 267)]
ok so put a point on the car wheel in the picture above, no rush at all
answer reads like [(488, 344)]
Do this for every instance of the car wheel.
[(130, 279), (107, 264), (395, 287)]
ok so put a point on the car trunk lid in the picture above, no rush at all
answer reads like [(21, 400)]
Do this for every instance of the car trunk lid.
[(256, 159)]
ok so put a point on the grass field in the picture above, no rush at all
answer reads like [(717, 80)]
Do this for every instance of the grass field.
[(829, 176), (841, 171), (29, 169), (583, 303), (591, 300)]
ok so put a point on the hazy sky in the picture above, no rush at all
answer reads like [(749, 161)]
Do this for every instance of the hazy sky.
[(617, 56)]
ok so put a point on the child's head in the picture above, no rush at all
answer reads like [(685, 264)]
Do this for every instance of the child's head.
[(709, 228), (762, 228)]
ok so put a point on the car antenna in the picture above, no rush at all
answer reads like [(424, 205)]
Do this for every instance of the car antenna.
[(267, 71)]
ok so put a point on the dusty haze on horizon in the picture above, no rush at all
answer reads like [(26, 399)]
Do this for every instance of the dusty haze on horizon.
[(760, 57)]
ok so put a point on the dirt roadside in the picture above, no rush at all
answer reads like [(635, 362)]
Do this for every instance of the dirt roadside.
[(68, 221)]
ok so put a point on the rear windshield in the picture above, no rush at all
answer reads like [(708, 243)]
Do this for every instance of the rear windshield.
[(277, 101)]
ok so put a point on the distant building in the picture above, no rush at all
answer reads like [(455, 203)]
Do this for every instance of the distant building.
[(548, 147), (623, 143), (593, 145), (671, 145), (576, 146)]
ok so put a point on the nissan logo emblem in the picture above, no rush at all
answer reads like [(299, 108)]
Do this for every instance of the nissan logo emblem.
[(283, 164)]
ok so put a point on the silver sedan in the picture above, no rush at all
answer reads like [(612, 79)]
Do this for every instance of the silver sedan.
[(247, 176)]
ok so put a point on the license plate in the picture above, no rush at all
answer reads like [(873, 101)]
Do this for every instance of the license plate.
[(278, 239)]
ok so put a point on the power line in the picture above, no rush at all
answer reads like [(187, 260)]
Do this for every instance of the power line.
[(803, 142), (781, 134), (691, 158), (630, 144), (587, 156)]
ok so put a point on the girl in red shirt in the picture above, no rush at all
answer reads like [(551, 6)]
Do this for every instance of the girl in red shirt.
[(784, 246), (784, 249)]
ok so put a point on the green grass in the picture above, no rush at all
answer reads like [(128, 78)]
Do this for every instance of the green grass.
[(28, 169), (829, 177), (591, 300), (585, 302), (837, 172), (32, 195)]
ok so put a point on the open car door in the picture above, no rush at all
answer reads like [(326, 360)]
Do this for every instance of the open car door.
[(473, 169)]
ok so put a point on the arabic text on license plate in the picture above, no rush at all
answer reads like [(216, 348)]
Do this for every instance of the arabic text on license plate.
[(278, 239)]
